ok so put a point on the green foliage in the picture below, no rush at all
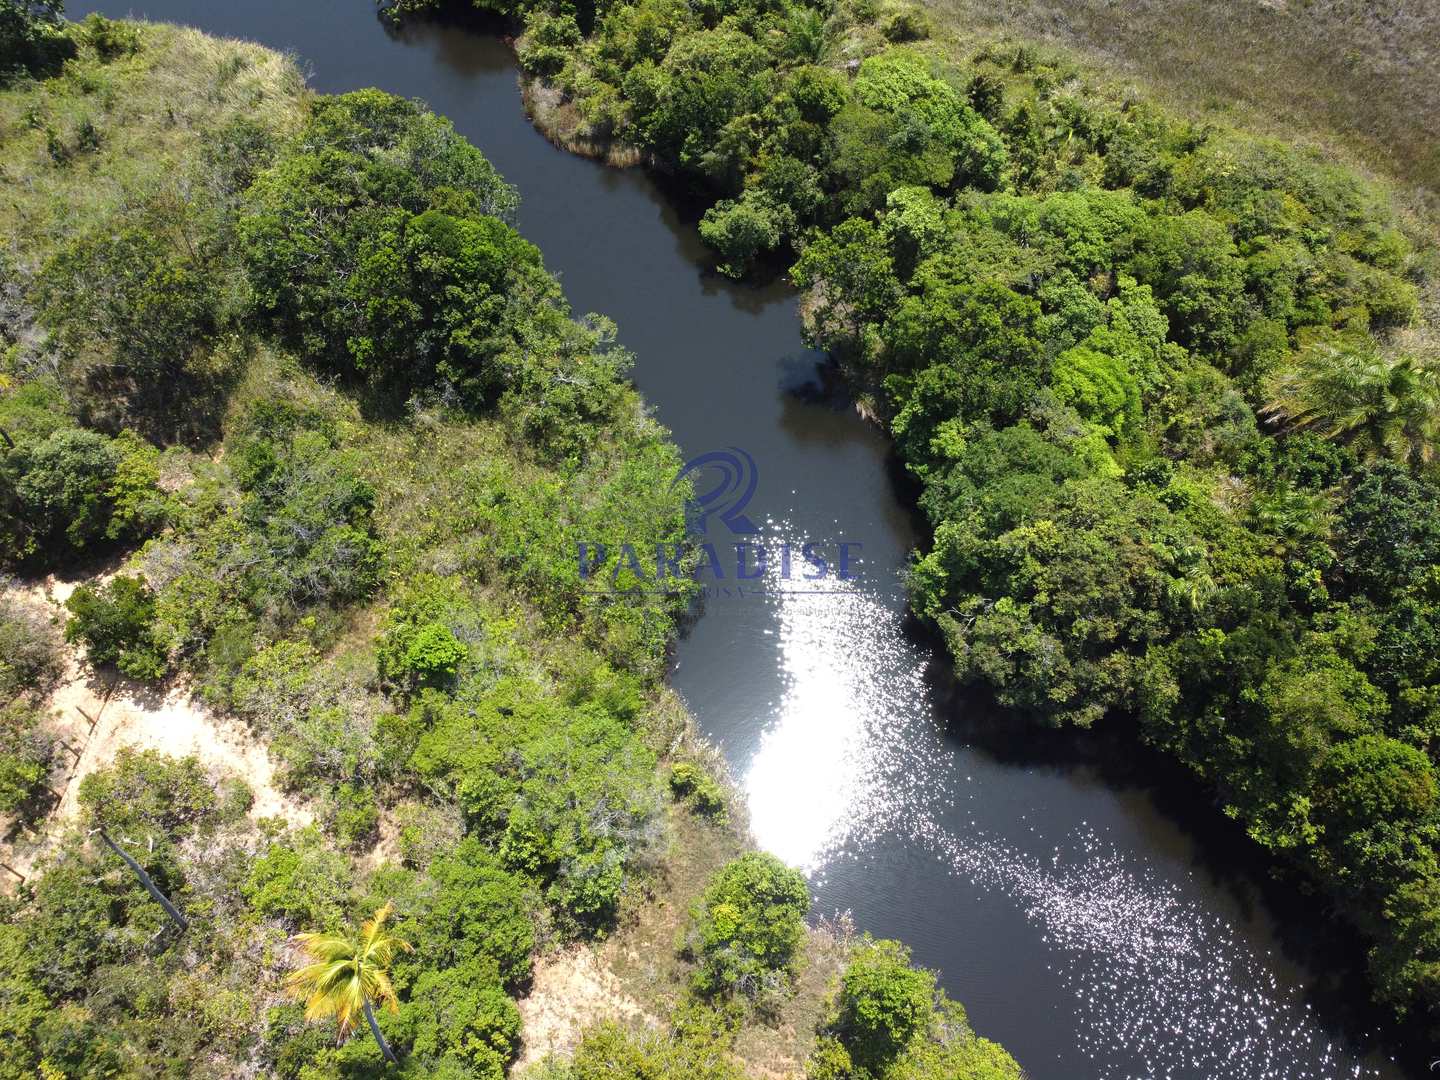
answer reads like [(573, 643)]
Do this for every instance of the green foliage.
[(566, 793), (611, 1052), (288, 528), (148, 793), (110, 39), (66, 491), (27, 751), (691, 782), (1385, 406), (32, 37), (142, 314), (428, 636), (891, 1023), (463, 1014), (905, 126), (884, 1003), (116, 624), (475, 916), (29, 651), (740, 230), (747, 927), (356, 815), (301, 880), (377, 249)]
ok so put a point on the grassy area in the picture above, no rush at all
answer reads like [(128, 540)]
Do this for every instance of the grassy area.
[(76, 148), (1360, 73)]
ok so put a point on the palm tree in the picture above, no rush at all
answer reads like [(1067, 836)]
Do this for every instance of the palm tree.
[(1384, 405), (348, 973)]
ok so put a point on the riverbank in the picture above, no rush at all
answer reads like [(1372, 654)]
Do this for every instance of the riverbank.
[(450, 723), (1202, 393)]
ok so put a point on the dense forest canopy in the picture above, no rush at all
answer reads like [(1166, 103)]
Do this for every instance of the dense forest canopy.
[(320, 430), (1171, 392)]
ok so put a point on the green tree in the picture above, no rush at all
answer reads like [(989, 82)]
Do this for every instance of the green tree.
[(884, 1003), (32, 37), (748, 925), (116, 623)]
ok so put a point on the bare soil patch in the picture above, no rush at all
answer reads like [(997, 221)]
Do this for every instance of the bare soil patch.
[(96, 715)]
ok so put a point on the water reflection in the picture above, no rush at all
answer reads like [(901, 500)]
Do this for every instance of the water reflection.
[(1161, 985), (1099, 949)]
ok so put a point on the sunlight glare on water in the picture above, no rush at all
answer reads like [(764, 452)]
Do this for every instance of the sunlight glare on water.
[(1155, 977), (829, 763)]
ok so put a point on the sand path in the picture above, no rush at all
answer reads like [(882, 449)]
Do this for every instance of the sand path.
[(98, 715)]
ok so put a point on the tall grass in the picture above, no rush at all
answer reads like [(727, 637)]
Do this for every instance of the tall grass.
[(101, 134)]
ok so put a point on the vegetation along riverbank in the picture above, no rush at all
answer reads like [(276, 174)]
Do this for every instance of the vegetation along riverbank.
[(1170, 388), (309, 728)]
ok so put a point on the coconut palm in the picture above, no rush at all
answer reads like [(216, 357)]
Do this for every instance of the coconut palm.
[(348, 974), (1385, 405)]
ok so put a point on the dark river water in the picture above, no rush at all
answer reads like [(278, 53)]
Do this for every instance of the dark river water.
[(1090, 912)]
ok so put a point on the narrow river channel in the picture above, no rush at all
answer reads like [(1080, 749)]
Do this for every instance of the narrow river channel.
[(1085, 922)]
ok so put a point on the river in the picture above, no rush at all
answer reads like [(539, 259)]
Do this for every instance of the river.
[(1090, 913)]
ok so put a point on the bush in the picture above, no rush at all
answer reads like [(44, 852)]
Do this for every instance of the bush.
[(356, 815), (478, 914), (299, 879), (884, 1003), (109, 38), (908, 25), (741, 230), (32, 37), (421, 644), (74, 491), (149, 793), (748, 925), (463, 1013), (696, 786), (116, 624), (610, 1052), (27, 751), (64, 487), (29, 651)]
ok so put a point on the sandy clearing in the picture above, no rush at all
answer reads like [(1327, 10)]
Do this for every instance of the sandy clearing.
[(572, 990), (96, 716)]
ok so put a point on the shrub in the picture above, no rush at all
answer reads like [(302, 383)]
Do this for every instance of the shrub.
[(907, 25), (884, 1003), (148, 792), (356, 815), (694, 784), (116, 624), (610, 1052), (73, 491), (748, 925), (64, 488), (477, 915), (109, 38), (300, 879), (27, 751), (741, 230), (32, 37), (463, 1013), (29, 651)]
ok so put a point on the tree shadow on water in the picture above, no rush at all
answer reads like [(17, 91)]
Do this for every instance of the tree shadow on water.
[(1272, 907)]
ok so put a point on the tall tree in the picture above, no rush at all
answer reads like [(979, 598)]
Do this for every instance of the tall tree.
[(348, 974)]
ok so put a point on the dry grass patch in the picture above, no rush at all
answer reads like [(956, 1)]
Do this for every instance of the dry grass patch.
[(1365, 73)]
